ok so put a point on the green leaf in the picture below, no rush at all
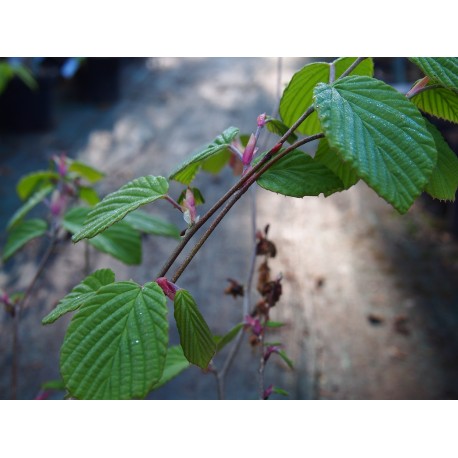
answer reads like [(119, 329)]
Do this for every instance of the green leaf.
[(89, 195), (22, 233), (80, 294), (217, 162), (85, 171), (32, 202), (186, 172), (380, 134), (274, 324), (444, 179), (439, 102), (195, 335), (121, 240), (299, 175), (148, 224), (116, 344), (277, 127), (55, 385), (26, 76), (221, 342), (297, 97), (118, 204), (280, 391), (30, 183), (175, 363), (444, 70), (285, 358), (331, 159)]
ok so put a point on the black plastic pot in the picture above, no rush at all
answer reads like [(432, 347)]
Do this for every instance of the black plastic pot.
[(26, 110)]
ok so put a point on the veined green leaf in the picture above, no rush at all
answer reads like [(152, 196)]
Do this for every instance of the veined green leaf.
[(331, 159), (32, 202), (22, 233), (85, 171), (118, 204), (186, 172), (444, 70), (380, 134), (80, 294), (30, 183), (299, 175), (175, 363), (116, 344), (297, 97), (444, 179), (221, 342), (148, 224), (121, 240), (195, 335), (439, 102)]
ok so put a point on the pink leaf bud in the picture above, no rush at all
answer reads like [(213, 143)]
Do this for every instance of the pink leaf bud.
[(168, 287), (58, 203), (4, 297), (61, 164), (269, 350), (189, 208), (249, 151), (262, 120), (418, 86), (267, 392), (254, 324)]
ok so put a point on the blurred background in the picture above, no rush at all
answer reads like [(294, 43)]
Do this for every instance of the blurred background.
[(370, 298)]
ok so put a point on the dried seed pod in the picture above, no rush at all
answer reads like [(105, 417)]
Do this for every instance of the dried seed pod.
[(234, 289), (272, 291), (264, 276), (262, 308)]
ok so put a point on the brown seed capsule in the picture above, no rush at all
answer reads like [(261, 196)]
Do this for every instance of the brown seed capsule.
[(264, 276), (234, 289)]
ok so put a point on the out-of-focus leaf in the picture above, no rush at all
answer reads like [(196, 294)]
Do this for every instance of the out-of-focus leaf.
[(22, 233)]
